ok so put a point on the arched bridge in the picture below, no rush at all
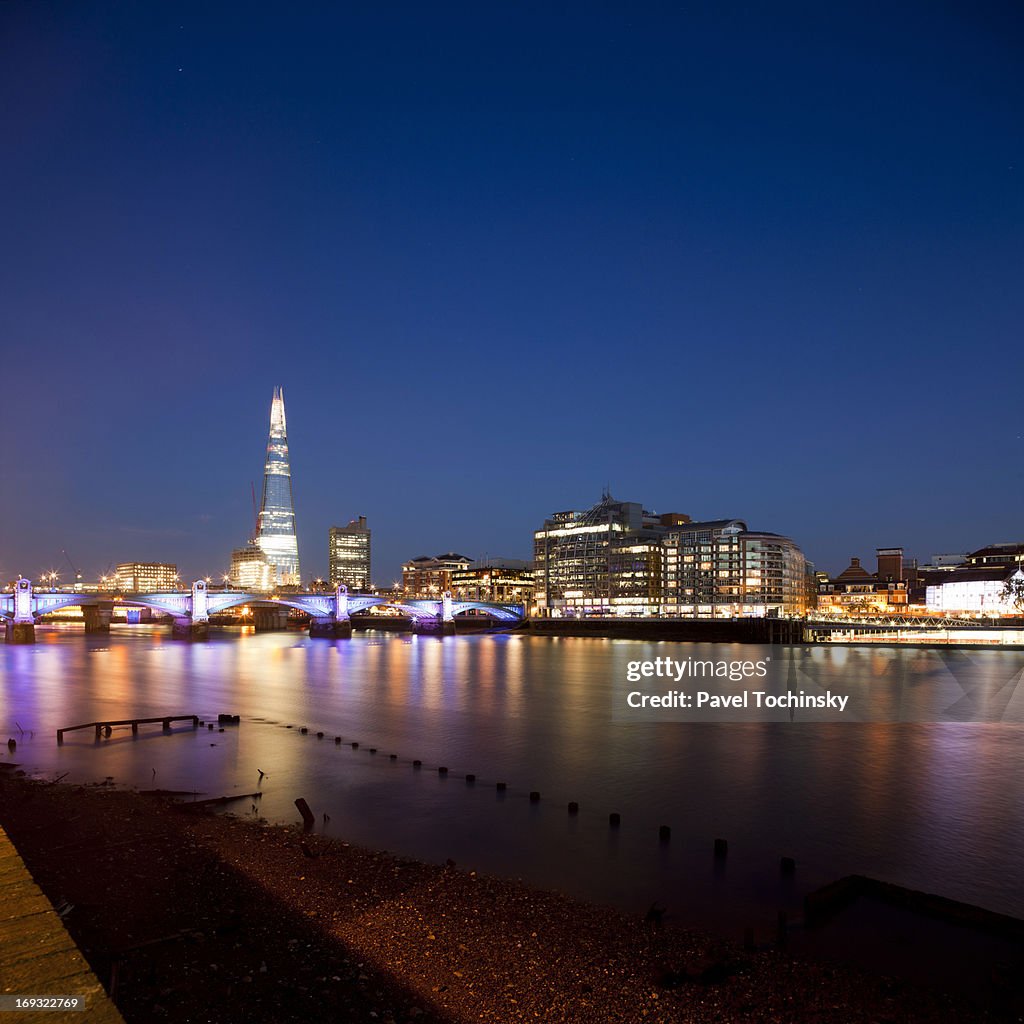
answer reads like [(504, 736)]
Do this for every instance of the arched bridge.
[(330, 614)]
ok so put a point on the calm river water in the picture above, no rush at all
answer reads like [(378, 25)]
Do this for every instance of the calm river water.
[(934, 806)]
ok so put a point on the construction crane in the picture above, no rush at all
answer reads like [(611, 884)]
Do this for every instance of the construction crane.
[(255, 514), (74, 569)]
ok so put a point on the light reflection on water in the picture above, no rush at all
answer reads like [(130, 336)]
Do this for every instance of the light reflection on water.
[(937, 807)]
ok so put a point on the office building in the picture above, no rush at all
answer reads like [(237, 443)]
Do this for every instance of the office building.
[(348, 555), (250, 570), (605, 560), (618, 559), (146, 577)]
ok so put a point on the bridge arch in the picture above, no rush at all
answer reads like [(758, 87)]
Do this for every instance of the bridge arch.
[(361, 603), (503, 613)]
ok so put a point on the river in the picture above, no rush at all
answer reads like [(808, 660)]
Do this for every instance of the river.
[(934, 805)]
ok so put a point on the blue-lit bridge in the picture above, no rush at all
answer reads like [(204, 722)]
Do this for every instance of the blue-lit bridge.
[(330, 613)]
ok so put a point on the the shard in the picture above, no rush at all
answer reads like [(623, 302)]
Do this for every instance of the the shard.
[(275, 533)]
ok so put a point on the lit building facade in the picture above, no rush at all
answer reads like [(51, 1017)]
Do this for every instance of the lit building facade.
[(975, 591), (720, 569), (250, 569), (855, 591), (146, 577), (428, 577), (615, 559), (499, 580), (348, 555), (275, 531), (602, 561)]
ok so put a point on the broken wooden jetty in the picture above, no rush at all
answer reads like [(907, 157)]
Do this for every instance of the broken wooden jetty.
[(105, 728), (216, 801)]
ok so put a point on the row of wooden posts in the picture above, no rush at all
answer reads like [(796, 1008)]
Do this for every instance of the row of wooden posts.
[(787, 865)]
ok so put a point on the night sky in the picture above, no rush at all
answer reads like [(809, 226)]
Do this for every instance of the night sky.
[(761, 262)]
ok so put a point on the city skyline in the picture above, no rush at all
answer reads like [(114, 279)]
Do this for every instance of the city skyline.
[(277, 466), (761, 265)]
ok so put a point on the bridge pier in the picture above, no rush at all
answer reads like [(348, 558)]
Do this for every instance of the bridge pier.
[(22, 628), (19, 632), (97, 617), (433, 626), (336, 629), (440, 624), (268, 620), (186, 629)]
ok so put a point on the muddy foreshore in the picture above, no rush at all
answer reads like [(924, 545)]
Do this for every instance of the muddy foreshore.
[(194, 916)]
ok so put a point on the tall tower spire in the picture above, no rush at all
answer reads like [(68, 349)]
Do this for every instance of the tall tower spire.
[(275, 534)]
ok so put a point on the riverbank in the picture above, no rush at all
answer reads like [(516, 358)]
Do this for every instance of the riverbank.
[(706, 631), (189, 916)]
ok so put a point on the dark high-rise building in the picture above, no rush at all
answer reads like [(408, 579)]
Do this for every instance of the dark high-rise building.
[(348, 553), (275, 532)]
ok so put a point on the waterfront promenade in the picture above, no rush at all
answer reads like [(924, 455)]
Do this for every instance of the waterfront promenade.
[(37, 955)]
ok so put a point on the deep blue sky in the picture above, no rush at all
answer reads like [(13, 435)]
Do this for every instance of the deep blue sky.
[(756, 262)]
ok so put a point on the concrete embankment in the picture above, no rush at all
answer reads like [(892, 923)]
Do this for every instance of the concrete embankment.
[(719, 631), (38, 959)]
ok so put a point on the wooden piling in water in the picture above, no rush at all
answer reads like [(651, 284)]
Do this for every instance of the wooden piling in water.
[(308, 820)]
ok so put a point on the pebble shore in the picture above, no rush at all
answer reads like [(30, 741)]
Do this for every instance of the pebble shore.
[(190, 916)]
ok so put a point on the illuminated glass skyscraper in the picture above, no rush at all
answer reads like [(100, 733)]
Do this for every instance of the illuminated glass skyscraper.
[(275, 533)]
